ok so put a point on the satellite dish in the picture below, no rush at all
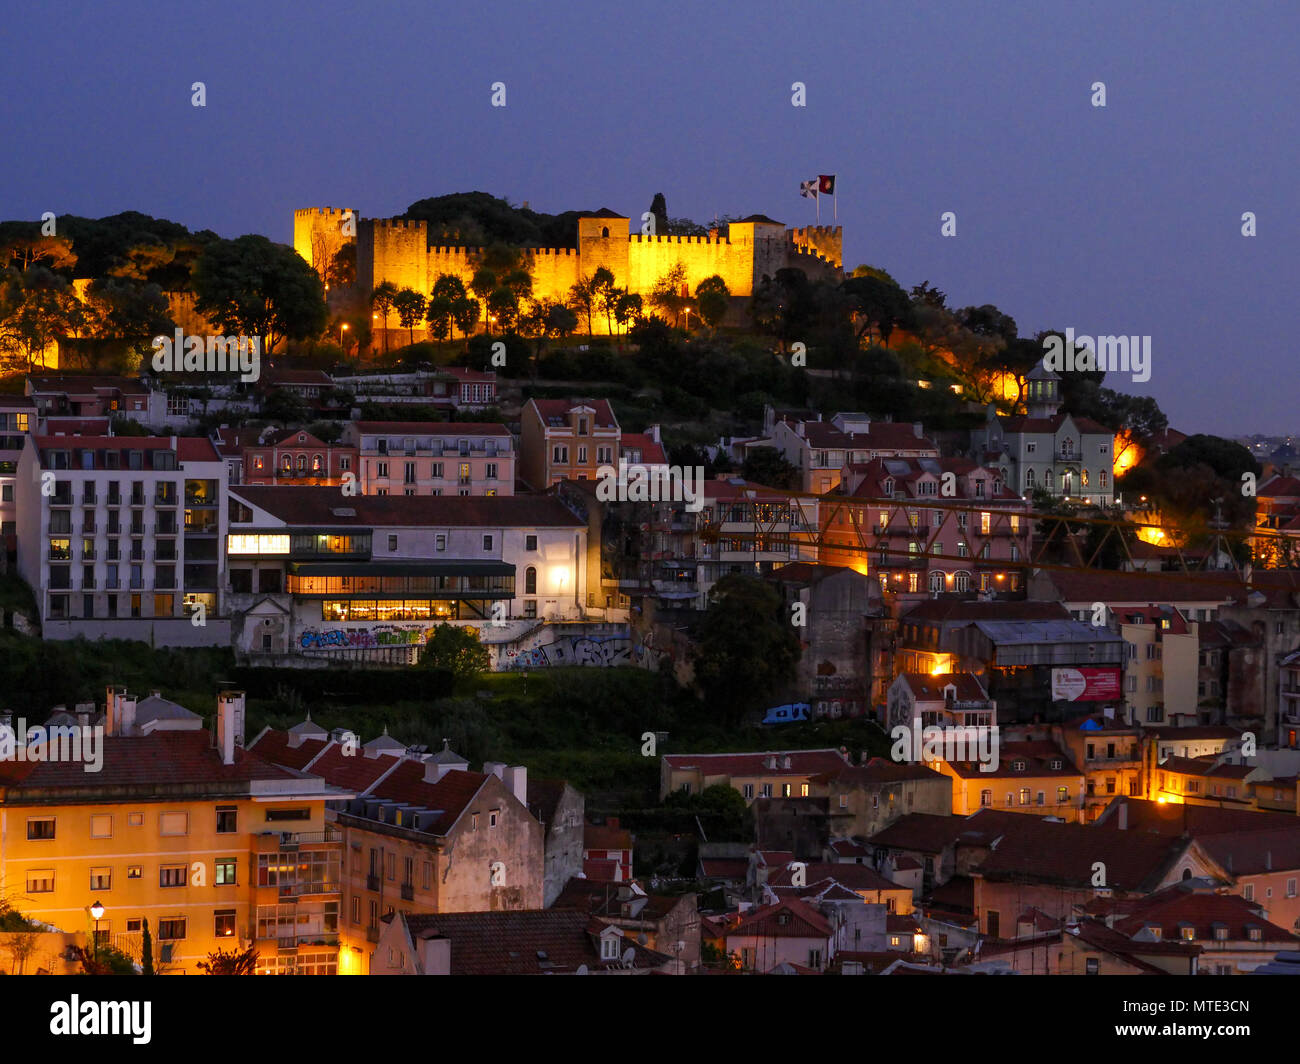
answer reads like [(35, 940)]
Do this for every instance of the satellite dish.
[(628, 954), (582, 970)]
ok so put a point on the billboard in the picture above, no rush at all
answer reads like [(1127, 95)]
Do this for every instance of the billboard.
[(1085, 685)]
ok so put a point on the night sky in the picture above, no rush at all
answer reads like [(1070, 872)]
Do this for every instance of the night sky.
[(1123, 220)]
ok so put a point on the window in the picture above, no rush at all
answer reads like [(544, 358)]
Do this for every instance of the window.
[(487, 542), (1062, 795), (134, 871), (226, 871), (428, 875), (223, 923), (40, 881), (609, 948), (227, 819), (171, 930), (171, 875), (101, 826), (1092, 965), (101, 879), (392, 542), (173, 823), (390, 866), (530, 581), (560, 455), (40, 827)]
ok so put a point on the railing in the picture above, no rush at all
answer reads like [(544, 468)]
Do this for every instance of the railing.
[(372, 883), (297, 890)]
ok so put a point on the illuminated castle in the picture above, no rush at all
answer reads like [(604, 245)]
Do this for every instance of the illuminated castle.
[(396, 250)]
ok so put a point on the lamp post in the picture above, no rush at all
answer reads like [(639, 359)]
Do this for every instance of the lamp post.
[(97, 913), (343, 329)]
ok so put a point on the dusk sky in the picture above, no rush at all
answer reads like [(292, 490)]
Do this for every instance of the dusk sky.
[(1117, 220)]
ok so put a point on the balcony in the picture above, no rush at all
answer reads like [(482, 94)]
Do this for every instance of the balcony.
[(408, 892), (298, 890), (372, 934), (276, 841), (372, 883)]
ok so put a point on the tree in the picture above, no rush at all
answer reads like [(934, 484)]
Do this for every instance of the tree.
[(22, 945), (103, 960), (713, 298), (36, 308), (342, 269), (667, 292), (382, 300), (659, 208), (465, 313), (448, 292), (503, 308), (230, 962), (23, 246), (483, 284), (582, 298), (605, 295), (252, 287), (146, 949), (721, 808), (409, 305), (627, 308), (876, 302), (745, 633), (767, 466), (456, 649), (439, 317)]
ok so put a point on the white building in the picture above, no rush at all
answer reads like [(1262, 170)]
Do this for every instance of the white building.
[(120, 537), (313, 571), (433, 458), (1071, 457)]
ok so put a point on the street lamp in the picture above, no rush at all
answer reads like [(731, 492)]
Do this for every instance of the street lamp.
[(97, 912), (342, 329)]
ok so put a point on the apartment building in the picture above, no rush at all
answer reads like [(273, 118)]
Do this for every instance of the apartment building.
[(1066, 456), (432, 458), (364, 578), (215, 846), (928, 526), (95, 395), (423, 834), (783, 774), (122, 537), (821, 449), (17, 421), (563, 439), (1033, 777)]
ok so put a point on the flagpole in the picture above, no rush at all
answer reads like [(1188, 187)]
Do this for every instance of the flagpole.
[(818, 200)]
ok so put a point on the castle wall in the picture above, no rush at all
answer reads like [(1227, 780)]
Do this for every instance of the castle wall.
[(650, 257), (318, 234), (824, 240)]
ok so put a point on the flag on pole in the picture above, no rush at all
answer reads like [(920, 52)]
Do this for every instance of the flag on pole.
[(826, 184), (808, 189)]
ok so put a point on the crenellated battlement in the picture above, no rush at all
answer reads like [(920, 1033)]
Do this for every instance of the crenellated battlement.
[(638, 238), (412, 254)]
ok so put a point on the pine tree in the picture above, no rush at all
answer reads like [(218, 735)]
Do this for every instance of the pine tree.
[(659, 208), (146, 951)]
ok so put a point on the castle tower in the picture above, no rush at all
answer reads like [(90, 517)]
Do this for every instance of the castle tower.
[(602, 241), (319, 233), (824, 240)]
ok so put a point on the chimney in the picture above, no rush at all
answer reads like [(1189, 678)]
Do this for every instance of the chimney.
[(516, 779), (437, 955), (120, 713), (230, 724), (111, 718), (494, 768), (916, 427)]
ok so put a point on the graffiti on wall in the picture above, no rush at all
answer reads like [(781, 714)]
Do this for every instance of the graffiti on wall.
[(571, 650), (363, 639)]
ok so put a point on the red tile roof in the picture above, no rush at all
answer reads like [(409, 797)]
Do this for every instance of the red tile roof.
[(1179, 905), (855, 877), (802, 763), (561, 408), (801, 921), (1038, 759), (525, 942), (433, 428), (927, 687), (451, 795), (652, 451)]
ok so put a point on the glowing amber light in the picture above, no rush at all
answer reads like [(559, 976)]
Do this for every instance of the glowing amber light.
[(1127, 453)]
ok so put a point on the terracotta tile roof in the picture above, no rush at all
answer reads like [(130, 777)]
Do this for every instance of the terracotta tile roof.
[(274, 747), (930, 688), (603, 870), (273, 375), (607, 836), (1039, 759), (868, 479), (1142, 588), (525, 942), (353, 771), (957, 610), (925, 832), (802, 763), (956, 895), (1179, 905), (801, 921), (849, 848), (652, 451), (321, 506), (1246, 853), (877, 770), (1065, 855), (1196, 733), (880, 436), (432, 428), (1192, 766), (1194, 820), (855, 877), (451, 795), (551, 409), (88, 384), (163, 759), (724, 867), (614, 901)]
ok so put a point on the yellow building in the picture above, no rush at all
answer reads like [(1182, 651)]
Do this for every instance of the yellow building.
[(1029, 777), (214, 846)]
